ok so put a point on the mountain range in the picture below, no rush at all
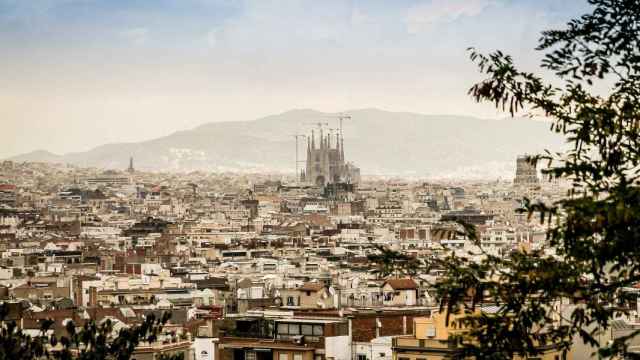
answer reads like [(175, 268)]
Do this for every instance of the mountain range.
[(379, 142)]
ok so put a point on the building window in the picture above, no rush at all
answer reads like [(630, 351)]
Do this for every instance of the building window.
[(283, 356), (383, 354), (362, 357), (294, 329), (307, 329), (317, 330), (297, 356)]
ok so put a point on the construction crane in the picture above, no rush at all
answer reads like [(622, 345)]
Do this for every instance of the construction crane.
[(319, 124), (297, 136), (340, 117)]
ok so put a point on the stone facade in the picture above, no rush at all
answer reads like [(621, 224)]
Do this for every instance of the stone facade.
[(326, 163), (526, 172)]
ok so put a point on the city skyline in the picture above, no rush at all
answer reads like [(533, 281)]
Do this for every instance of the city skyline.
[(320, 180), (84, 73), (406, 144)]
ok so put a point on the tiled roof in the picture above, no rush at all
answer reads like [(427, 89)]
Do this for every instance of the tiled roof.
[(312, 286), (402, 284)]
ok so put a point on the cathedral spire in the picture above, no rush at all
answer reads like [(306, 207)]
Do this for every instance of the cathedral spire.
[(131, 169)]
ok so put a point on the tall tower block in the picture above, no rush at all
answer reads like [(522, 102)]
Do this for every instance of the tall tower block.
[(526, 172), (131, 170)]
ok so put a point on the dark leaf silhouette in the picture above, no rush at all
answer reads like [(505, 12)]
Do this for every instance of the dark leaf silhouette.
[(593, 232)]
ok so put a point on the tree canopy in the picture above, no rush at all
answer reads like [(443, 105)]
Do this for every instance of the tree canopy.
[(389, 262), (91, 341), (594, 232)]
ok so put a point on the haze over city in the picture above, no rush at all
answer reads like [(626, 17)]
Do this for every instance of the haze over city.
[(79, 74), (320, 179)]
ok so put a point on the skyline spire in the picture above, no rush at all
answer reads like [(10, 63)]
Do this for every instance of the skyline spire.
[(130, 169)]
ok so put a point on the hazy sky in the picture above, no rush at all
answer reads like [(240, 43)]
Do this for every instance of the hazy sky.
[(75, 74)]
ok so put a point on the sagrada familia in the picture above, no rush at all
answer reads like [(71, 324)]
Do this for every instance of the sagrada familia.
[(326, 163)]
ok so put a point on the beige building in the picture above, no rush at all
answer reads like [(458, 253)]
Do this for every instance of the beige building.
[(36, 292), (165, 349), (400, 292), (311, 295), (315, 295), (431, 340)]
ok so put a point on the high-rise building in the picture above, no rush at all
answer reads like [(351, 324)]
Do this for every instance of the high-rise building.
[(526, 171), (326, 163), (131, 170)]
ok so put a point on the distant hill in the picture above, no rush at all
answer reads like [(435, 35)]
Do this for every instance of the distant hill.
[(380, 142), (38, 156)]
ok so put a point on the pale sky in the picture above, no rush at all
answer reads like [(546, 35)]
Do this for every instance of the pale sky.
[(75, 74)]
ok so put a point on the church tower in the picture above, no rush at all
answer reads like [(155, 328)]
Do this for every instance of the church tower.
[(131, 170), (326, 163)]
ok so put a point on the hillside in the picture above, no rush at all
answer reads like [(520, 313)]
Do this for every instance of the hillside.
[(380, 142)]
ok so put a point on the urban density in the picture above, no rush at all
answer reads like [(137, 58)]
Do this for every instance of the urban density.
[(319, 180), (253, 266)]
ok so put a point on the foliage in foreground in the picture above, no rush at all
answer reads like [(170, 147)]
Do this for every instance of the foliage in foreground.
[(389, 262), (92, 341), (595, 231)]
